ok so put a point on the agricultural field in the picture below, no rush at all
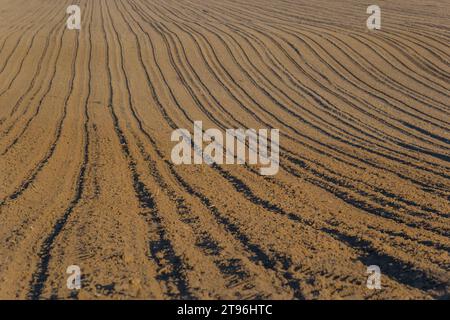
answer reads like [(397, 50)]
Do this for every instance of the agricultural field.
[(88, 179)]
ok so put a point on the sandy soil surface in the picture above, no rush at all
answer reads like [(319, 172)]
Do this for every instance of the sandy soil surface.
[(86, 176)]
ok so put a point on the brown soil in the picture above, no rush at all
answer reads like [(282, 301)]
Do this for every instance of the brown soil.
[(86, 177)]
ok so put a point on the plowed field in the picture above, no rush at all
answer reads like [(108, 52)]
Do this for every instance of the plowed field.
[(87, 178)]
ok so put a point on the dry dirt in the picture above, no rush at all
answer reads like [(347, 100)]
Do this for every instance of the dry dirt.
[(86, 176)]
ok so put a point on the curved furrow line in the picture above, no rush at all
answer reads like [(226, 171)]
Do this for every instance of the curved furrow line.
[(437, 155), (254, 115), (344, 14), (332, 185), (290, 44), (28, 91), (378, 194), (233, 269), (375, 254), (184, 79), (235, 98), (320, 26), (194, 73), (363, 164), (409, 275), (351, 13), (30, 87), (406, 124), (381, 202), (20, 65), (328, 125), (8, 58), (407, 234), (6, 34), (442, 76), (194, 97), (370, 46), (339, 115), (160, 244), (420, 61), (270, 262), (18, 42), (420, 71), (400, 271), (41, 164), (345, 191), (34, 10), (41, 274), (261, 256), (432, 35), (416, 181), (33, 78), (310, 112), (28, 52), (206, 240)]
